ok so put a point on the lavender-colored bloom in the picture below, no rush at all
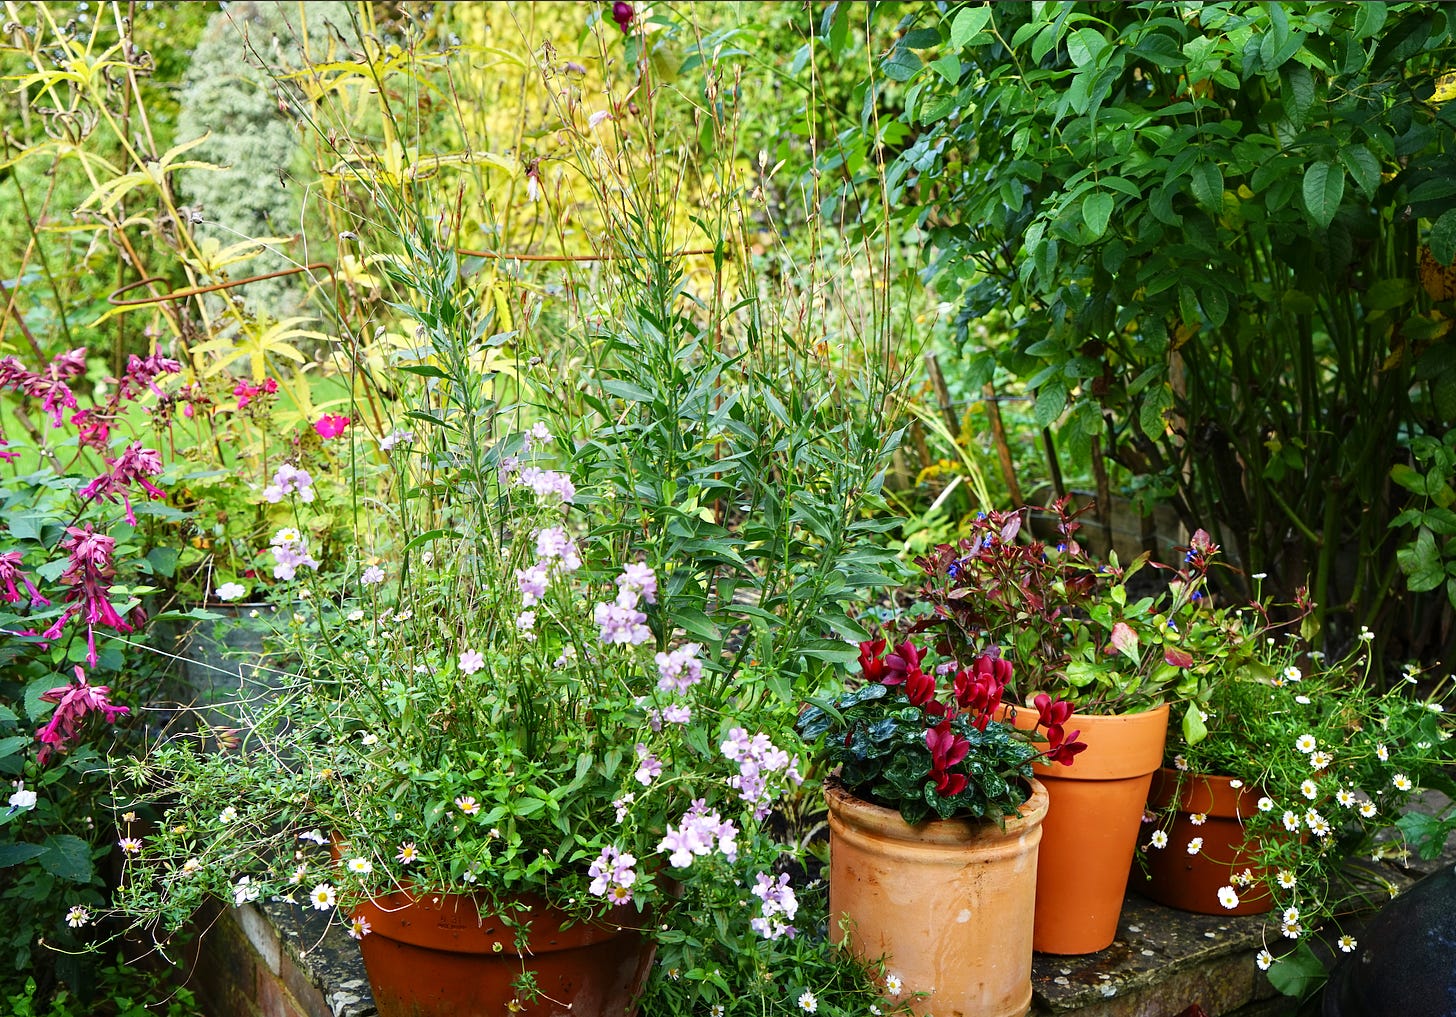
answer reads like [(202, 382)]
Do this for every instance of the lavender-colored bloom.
[(471, 661), (621, 625), (372, 576), (289, 480), (678, 713), (679, 670), (532, 583), (546, 483), (396, 437), (554, 545), (638, 578), (649, 766)]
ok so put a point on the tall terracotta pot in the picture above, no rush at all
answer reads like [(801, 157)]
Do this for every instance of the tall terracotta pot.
[(1191, 882), (1092, 827), (438, 956), (949, 901)]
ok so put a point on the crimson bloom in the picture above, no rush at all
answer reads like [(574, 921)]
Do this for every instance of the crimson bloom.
[(905, 659), (946, 750), (622, 14), (871, 665)]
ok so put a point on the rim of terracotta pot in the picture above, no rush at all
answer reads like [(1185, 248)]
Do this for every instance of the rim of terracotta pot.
[(1118, 744), (961, 830), (396, 916), (1209, 793)]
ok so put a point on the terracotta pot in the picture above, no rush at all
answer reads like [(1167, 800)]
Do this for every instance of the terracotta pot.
[(948, 902), (1191, 882), (437, 956), (1092, 827)]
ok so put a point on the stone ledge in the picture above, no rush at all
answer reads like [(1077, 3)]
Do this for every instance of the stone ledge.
[(283, 960)]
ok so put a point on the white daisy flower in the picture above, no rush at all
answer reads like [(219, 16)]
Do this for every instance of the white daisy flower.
[(1264, 960), (1198, 818), (1266, 804), (893, 985), (78, 916), (1309, 789), (1367, 809), (1159, 840), (322, 897), (1306, 743), (1382, 753), (361, 866), (807, 1002), (1401, 782), (1227, 897), (1286, 879), (1195, 845), (1346, 943)]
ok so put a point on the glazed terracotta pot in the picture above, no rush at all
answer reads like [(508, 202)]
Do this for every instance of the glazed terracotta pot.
[(1191, 882), (1092, 826), (948, 903), (438, 956)]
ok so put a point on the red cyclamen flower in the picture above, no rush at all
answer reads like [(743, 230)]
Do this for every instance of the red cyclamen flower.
[(905, 659), (73, 703), (946, 750), (978, 689), (871, 666)]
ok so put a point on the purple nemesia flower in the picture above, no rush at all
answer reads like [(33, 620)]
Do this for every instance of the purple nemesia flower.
[(471, 661), (289, 480), (679, 670), (554, 545), (546, 483), (372, 576), (396, 437), (778, 908), (637, 578), (649, 766), (532, 583), (621, 625), (290, 552)]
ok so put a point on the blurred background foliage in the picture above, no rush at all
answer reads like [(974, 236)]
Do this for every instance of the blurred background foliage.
[(1190, 260)]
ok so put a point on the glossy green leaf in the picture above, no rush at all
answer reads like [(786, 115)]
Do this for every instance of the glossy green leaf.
[(1324, 187)]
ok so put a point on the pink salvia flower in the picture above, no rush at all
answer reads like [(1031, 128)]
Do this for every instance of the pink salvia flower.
[(133, 467), (88, 574), (73, 703), (10, 572)]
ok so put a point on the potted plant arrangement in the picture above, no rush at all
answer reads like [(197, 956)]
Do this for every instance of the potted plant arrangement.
[(1303, 763), (934, 819), (498, 749), (1080, 631)]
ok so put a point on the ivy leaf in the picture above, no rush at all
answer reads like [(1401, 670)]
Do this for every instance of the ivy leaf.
[(1324, 186)]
